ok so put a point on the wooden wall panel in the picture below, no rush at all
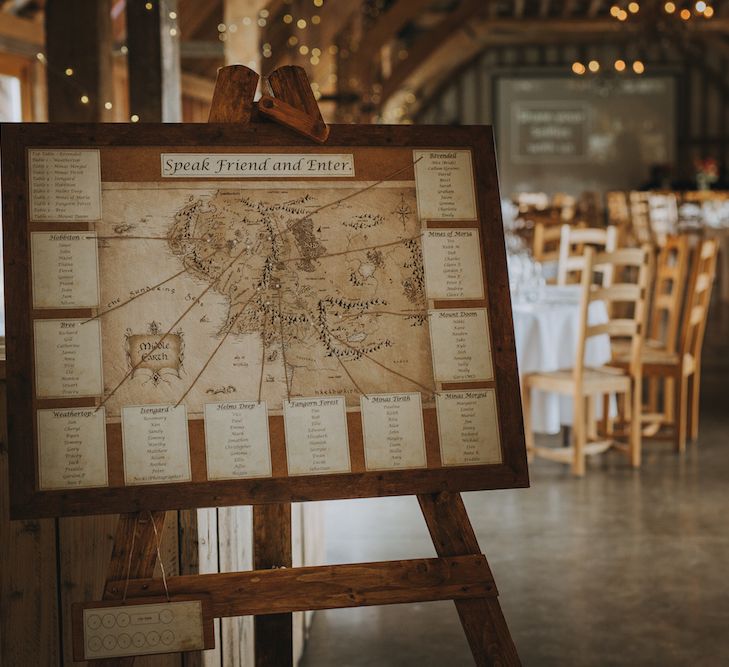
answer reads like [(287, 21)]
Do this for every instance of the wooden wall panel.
[(28, 599), (235, 531)]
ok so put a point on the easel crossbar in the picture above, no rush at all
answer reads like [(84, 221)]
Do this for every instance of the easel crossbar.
[(325, 587)]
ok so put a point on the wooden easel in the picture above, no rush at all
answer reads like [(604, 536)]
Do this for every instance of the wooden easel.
[(274, 590)]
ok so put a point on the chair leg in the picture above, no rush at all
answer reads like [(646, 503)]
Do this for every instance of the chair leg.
[(526, 406), (693, 415), (591, 428), (636, 423), (680, 413), (669, 388), (653, 395), (608, 424), (578, 436)]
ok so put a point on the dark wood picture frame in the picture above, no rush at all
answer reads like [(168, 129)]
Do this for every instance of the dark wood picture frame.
[(29, 502)]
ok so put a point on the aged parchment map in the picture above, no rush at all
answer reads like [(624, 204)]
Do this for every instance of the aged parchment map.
[(217, 291)]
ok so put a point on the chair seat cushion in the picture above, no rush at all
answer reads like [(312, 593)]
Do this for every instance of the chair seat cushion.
[(594, 381)]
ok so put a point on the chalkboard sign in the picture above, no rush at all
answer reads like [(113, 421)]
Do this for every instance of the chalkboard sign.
[(210, 315)]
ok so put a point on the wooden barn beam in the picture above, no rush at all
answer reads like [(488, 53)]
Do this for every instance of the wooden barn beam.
[(438, 52), (78, 41), (194, 14), (21, 30), (154, 62), (428, 44), (20, 36), (386, 28), (594, 7)]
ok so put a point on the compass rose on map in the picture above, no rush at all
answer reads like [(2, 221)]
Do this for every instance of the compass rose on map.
[(403, 210)]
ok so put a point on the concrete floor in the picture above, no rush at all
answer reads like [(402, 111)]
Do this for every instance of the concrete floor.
[(619, 568)]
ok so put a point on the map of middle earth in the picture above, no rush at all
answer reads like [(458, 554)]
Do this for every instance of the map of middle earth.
[(219, 292)]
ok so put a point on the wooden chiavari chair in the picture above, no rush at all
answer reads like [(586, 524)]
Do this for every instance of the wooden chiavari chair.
[(566, 205), (664, 319), (683, 366), (618, 215), (662, 215), (545, 242), (589, 209), (640, 219), (571, 248), (527, 201), (584, 383)]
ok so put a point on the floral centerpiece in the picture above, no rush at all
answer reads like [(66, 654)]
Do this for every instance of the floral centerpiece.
[(707, 172)]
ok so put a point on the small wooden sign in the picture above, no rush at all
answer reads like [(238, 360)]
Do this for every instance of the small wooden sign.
[(206, 315), (146, 626)]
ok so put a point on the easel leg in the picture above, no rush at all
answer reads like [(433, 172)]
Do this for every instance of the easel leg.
[(134, 556), (273, 633), (482, 618)]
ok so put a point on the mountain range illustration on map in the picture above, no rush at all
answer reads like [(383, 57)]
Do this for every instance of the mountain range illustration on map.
[(256, 293)]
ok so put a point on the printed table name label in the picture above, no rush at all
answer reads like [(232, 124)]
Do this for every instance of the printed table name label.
[(72, 448), (452, 261), (65, 185), (444, 185), (65, 269), (67, 358), (468, 427), (393, 431), (156, 448), (316, 436), (460, 345), (236, 440)]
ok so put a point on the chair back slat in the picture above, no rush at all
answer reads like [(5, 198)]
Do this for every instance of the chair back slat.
[(618, 328), (640, 218), (620, 292), (571, 246), (668, 291), (698, 298), (663, 215), (618, 212), (703, 282), (545, 244), (633, 266)]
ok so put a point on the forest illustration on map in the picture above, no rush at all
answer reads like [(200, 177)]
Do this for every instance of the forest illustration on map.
[(217, 291)]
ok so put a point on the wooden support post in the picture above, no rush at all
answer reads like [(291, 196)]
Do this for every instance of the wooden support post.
[(134, 555), (154, 61), (272, 549), (79, 75), (79, 53), (482, 618)]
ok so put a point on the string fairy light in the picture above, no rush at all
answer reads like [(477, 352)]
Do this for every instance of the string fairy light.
[(620, 66), (701, 8)]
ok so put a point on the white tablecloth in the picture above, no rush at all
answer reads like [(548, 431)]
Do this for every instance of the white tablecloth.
[(546, 333)]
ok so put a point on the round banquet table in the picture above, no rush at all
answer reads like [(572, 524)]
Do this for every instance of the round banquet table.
[(546, 332)]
